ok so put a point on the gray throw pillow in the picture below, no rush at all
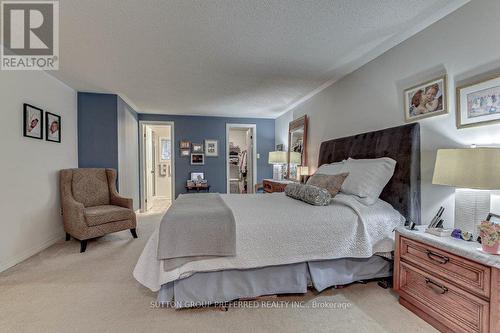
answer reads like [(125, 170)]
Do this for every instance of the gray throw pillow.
[(308, 193), (332, 183)]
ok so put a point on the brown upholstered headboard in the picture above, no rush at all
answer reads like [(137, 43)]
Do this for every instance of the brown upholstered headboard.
[(399, 143)]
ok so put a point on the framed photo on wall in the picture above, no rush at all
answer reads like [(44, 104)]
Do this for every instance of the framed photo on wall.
[(52, 127), (32, 122), (479, 103), (197, 148), (184, 144), (185, 152), (426, 100), (197, 159), (211, 148)]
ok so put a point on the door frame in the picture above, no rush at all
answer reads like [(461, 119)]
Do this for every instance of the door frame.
[(142, 158), (254, 152)]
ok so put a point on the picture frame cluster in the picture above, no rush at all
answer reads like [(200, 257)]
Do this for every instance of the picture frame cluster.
[(38, 123), (197, 151), (477, 103)]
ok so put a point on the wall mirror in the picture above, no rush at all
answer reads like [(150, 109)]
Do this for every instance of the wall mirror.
[(297, 147)]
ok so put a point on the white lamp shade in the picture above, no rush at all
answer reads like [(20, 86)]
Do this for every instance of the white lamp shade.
[(277, 157), (472, 168), (295, 158)]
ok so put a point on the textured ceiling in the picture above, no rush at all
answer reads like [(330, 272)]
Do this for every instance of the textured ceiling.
[(255, 58)]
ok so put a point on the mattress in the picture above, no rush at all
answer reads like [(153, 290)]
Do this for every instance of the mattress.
[(205, 289), (274, 230)]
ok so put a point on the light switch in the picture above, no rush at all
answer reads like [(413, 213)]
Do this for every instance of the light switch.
[(258, 156)]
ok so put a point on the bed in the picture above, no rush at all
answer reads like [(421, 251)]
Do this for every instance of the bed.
[(284, 245)]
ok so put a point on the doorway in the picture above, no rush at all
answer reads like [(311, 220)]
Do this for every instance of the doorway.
[(241, 162), (157, 165)]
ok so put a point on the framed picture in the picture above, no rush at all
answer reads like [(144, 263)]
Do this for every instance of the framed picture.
[(426, 100), (52, 127), (479, 103), (185, 144), (197, 148), (211, 148), (197, 159), (32, 122), (185, 152), (493, 218), (197, 176), (165, 149)]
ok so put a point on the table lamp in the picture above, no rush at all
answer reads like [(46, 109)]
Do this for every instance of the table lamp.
[(277, 159), (474, 172), (295, 160)]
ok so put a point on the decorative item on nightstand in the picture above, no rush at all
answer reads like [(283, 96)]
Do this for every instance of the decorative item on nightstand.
[(474, 172), (490, 236), (277, 159)]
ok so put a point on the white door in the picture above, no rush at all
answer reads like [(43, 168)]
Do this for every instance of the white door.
[(149, 168)]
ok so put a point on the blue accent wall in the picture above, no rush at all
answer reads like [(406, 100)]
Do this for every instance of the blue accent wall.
[(97, 131), (198, 128)]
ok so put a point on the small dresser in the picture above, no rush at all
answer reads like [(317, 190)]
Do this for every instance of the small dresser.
[(271, 185), (447, 282)]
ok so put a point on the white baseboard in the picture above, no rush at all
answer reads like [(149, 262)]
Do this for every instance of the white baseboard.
[(29, 253)]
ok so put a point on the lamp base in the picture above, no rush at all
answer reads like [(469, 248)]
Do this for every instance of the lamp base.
[(277, 172), (471, 207)]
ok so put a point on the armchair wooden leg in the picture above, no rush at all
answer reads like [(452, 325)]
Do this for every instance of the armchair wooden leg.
[(133, 232), (68, 237), (83, 246)]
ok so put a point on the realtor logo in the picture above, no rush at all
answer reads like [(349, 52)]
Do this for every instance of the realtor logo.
[(30, 35)]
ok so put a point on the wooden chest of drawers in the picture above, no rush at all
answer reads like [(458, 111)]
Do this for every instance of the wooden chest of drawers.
[(452, 293)]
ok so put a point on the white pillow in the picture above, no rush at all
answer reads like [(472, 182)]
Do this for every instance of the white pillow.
[(367, 178), (332, 168)]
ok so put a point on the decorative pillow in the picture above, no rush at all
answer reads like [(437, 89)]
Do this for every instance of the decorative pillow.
[(332, 183), (368, 177), (308, 193)]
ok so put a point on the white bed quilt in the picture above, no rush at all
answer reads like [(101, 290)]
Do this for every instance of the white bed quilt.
[(273, 229)]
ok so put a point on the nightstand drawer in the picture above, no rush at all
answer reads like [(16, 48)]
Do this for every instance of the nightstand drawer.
[(447, 304), (467, 274)]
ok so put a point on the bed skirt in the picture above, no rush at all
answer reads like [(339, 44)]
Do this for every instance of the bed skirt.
[(204, 289)]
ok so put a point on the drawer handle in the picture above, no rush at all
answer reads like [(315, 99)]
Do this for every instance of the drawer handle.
[(440, 259), (442, 289)]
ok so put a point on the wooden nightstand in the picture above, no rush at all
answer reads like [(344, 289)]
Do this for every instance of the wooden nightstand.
[(447, 282), (271, 185)]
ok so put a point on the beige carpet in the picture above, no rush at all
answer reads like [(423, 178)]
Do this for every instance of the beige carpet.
[(61, 290)]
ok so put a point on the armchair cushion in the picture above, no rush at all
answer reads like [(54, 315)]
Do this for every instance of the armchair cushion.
[(90, 187), (98, 215)]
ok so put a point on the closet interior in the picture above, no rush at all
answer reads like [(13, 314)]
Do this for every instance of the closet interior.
[(240, 163)]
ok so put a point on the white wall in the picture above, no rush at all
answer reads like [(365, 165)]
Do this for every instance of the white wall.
[(29, 182), (463, 44), (128, 152)]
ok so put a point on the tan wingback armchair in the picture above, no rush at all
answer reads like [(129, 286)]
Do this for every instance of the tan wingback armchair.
[(91, 205)]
